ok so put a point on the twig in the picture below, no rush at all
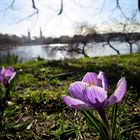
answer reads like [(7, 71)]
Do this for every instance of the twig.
[(20, 20), (63, 75), (61, 8), (119, 7), (139, 5), (12, 4), (8, 7), (34, 6), (102, 6)]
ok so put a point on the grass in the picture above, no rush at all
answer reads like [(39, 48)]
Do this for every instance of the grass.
[(37, 111)]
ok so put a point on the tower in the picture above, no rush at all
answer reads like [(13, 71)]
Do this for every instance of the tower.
[(29, 35), (40, 33)]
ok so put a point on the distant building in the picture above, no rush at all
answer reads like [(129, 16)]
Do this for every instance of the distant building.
[(41, 37), (34, 40), (40, 33), (29, 35)]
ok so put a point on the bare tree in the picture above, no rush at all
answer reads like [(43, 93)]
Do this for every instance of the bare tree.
[(83, 34), (129, 28), (78, 45), (108, 42)]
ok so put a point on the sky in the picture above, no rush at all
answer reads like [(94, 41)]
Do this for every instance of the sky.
[(101, 14)]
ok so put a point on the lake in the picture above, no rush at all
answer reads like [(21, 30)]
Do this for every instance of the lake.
[(49, 52)]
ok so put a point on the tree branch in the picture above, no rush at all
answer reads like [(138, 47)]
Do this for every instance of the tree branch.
[(34, 6), (8, 7), (119, 7), (117, 3), (12, 4), (61, 8), (29, 16), (139, 5)]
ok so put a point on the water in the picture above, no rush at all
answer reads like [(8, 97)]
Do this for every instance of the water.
[(26, 53)]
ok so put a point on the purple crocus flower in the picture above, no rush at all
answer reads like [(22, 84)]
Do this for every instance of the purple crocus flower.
[(92, 92), (6, 75)]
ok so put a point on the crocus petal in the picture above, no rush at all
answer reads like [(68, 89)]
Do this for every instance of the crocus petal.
[(91, 78), (76, 90), (1, 79), (9, 73), (2, 70), (75, 103), (96, 96), (119, 92), (12, 76), (104, 80)]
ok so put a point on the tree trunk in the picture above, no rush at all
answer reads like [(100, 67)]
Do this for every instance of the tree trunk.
[(113, 48), (83, 50), (131, 47)]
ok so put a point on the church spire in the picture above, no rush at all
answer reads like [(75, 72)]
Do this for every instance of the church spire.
[(40, 33), (29, 35)]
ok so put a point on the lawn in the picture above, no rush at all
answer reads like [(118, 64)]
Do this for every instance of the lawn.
[(36, 110)]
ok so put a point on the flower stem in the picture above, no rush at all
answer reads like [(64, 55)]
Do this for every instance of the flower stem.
[(103, 116), (3, 105)]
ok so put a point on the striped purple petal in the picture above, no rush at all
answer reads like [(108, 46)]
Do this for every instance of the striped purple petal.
[(9, 73), (75, 103), (91, 79), (1, 79), (96, 96), (104, 80), (76, 90), (2, 70), (119, 92)]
